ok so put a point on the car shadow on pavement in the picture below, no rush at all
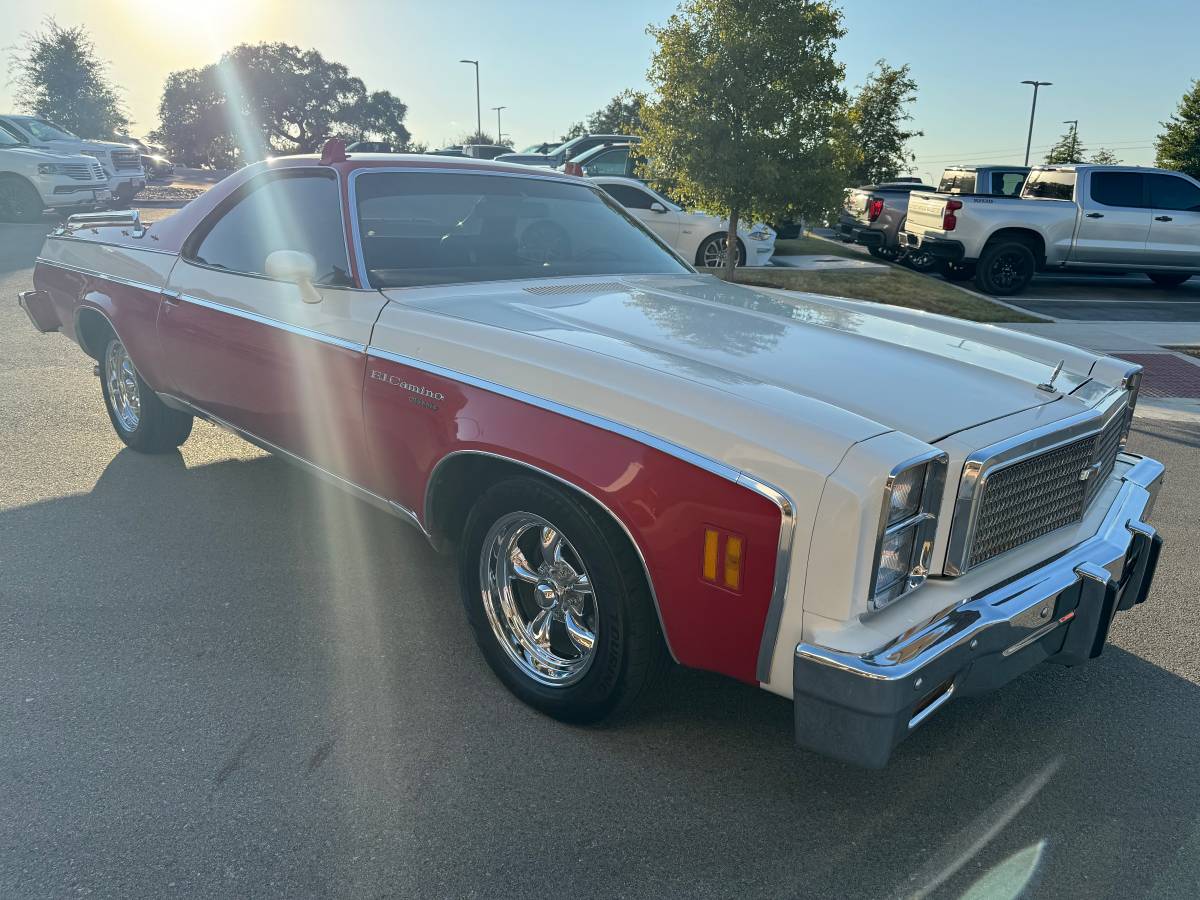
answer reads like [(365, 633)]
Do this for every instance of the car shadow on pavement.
[(235, 675)]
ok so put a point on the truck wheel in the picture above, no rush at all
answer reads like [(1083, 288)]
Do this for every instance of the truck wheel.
[(887, 254), (19, 201), (1167, 279), (558, 602), (952, 271), (1005, 268), (920, 261), (141, 420)]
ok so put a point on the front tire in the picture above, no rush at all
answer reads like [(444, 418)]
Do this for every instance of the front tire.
[(711, 253), (1005, 268), (558, 602), (142, 421), (19, 200), (1167, 279)]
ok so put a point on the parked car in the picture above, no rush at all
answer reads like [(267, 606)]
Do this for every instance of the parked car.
[(32, 181), (485, 151), (1072, 217), (698, 237), (604, 159), (121, 163), (872, 216), (564, 153), (866, 509), (543, 147), (370, 147), (454, 150)]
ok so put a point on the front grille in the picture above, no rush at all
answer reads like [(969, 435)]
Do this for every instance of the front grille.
[(1043, 493), (83, 171), (125, 160)]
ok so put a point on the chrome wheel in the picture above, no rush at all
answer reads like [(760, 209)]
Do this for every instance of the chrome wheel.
[(122, 381), (538, 599)]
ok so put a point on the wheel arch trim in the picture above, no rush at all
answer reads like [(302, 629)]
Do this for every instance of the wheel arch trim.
[(428, 505)]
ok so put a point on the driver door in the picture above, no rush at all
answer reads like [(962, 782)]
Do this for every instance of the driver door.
[(248, 349)]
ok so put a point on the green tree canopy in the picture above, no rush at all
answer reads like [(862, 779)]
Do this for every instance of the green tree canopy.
[(1179, 144), (746, 95), (1067, 149), (58, 76), (573, 132), (262, 99), (1104, 157), (482, 137), (873, 139), (621, 115)]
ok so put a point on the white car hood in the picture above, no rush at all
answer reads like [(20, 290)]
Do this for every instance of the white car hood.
[(926, 380), (37, 155)]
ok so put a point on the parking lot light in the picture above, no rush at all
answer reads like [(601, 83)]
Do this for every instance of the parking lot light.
[(1032, 111)]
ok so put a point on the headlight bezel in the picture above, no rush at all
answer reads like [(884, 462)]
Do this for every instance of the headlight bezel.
[(922, 522), (49, 169)]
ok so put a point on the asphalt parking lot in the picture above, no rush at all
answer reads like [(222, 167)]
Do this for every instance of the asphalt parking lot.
[(220, 678), (1111, 298)]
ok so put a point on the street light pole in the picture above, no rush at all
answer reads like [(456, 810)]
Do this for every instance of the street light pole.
[(1074, 123), (1032, 111), (498, 132), (478, 108)]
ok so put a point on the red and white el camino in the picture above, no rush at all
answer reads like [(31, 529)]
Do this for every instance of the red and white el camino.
[(864, 509)]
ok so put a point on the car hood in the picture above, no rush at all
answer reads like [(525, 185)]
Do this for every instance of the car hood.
[(37, 155), (88, 146), (926, 379)]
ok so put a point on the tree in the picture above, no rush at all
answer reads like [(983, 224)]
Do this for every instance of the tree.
[(262, 99), (1104, 157), (743, 117), (58, 76), (573, 132), (482, 137), (1179, 144), (873, 141), (621, 115), (1067, 149)]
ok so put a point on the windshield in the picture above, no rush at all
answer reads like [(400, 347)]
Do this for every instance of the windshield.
[(45, 131), (423, 228), (7, 140)]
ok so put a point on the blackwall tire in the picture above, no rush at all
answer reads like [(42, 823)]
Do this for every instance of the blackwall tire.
[(141, 420), (1005, 268), (558, 602)]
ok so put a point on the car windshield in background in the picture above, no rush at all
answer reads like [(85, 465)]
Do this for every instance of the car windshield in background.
[(9, 140), (45, 131), (424, 228), (1055, 185)]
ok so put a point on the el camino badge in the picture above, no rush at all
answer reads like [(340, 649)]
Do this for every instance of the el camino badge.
[(421, 396)]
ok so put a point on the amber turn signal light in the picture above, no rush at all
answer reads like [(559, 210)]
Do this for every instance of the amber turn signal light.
[(722, 562)]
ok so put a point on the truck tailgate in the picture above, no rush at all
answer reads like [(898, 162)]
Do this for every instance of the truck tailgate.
[(925, 211)]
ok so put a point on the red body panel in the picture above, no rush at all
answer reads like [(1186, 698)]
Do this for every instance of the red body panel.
[(294, 391), (663, 501), (133, 312)]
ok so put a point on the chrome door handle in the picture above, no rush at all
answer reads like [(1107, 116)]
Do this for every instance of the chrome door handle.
[(1095, 215), (1163, 219)]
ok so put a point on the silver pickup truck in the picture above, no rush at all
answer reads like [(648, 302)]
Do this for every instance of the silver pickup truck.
[(1067, 218)]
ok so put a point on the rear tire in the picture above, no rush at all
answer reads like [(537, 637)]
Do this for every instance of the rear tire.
[(1167, 279), (575, 653), (19, 200), (1005, 268), (142, 421), (887, 254)]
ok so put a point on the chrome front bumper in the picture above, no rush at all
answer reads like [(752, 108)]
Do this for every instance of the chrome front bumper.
[(859, 707)]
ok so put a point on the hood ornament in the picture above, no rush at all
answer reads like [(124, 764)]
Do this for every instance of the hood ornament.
[(1049, 387)]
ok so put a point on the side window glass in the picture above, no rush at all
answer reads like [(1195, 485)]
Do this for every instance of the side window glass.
[(1007, 184), (629, 197), (1118, 189), (611, 163), (1173, 192), (1050, 185), (287, 212)]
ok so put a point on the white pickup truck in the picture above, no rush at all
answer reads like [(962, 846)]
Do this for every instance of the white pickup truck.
[(1071, 217)]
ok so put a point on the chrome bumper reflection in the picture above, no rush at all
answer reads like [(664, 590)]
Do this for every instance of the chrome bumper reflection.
[(858, 707)]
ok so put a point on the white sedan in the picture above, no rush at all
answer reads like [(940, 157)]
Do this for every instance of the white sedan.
[(696, 236)]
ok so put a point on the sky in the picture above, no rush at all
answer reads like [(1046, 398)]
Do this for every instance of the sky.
[(1119, 68)]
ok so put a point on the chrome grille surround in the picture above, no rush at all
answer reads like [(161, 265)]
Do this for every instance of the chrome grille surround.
[(126, 160), (1030, 485)]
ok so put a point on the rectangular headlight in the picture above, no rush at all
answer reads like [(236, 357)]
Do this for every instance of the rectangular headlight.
[(907, 525)]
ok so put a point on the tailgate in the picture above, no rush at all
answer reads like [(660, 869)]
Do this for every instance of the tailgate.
[(925, 211)]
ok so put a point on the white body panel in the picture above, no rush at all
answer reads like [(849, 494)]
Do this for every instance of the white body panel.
[(124, 173), (61, 180)]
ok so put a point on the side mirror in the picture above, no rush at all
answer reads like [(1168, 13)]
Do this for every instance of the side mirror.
[(657, 207), (298, 268)]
